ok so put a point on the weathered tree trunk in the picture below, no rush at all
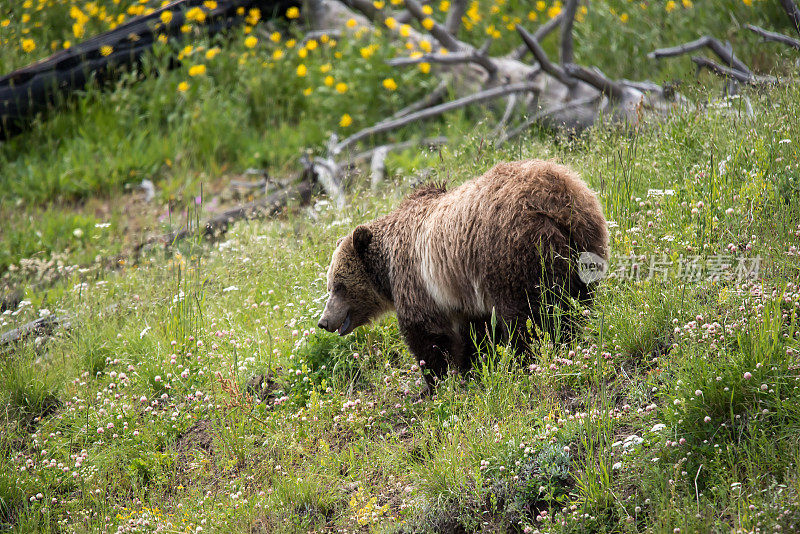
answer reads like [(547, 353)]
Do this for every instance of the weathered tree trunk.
[(35, 88), (566, 96)]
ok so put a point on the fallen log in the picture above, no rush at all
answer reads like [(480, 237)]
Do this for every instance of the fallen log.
[(31, 90), (41, 327), (218, 225)]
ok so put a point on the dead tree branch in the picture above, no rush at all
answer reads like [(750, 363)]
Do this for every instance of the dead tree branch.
[(377, 167), (724, 52), (540, 33), (538, 52), (794, 13), (435, 97), (438, 31), (773, 36), (453, 21), (478, 57), (597, 79), (727, 72), (430, 142), (509, 111), (567, 52), (385, 126), (327, 172)]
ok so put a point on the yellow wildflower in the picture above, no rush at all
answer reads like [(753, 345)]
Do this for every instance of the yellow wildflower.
[(427, 23), (196, 14), (624, 17), (424, 67), (28, 45), (532, 15), (307, 91), (212, 53), (290, 43), (277, 54), (166, 17), (292, 13), (405, 30), (197, 70), (379, 4), (275, 37), (671, 5), (301, 70), (328, 81), (210, 4), (389, 84), (345, 121), (183, 87), (351, 23), (687, 4), (325, 68), (428, 10), (302, 53), (5, 22), (240, 10), (390, 22), (162, 38), (311, 44), (554, 10), (253, 16), (747, 2), (25, 18), (66, 44), (78, 30), (444, 5), (106, 50), (341, 87), (324, 38), (186, 28), (251, 41)]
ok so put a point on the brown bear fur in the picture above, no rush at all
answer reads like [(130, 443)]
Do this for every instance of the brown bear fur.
[(505, 243)]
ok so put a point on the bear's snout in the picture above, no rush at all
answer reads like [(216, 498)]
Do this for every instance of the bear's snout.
[(336, 317)]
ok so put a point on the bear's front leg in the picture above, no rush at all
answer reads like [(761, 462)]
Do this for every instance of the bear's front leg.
[(435, 345)]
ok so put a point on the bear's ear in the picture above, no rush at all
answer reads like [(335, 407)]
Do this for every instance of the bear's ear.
[(362, 237)]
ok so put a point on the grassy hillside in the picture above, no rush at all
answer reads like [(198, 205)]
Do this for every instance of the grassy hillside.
[(194, 394)]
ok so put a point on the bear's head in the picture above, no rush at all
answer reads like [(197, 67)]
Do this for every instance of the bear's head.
[(353, 297)]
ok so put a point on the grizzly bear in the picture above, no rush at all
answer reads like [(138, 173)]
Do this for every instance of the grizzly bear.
[(492, 253)]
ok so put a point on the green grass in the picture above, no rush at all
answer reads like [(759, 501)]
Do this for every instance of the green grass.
[(608, 435), (678, 406)]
